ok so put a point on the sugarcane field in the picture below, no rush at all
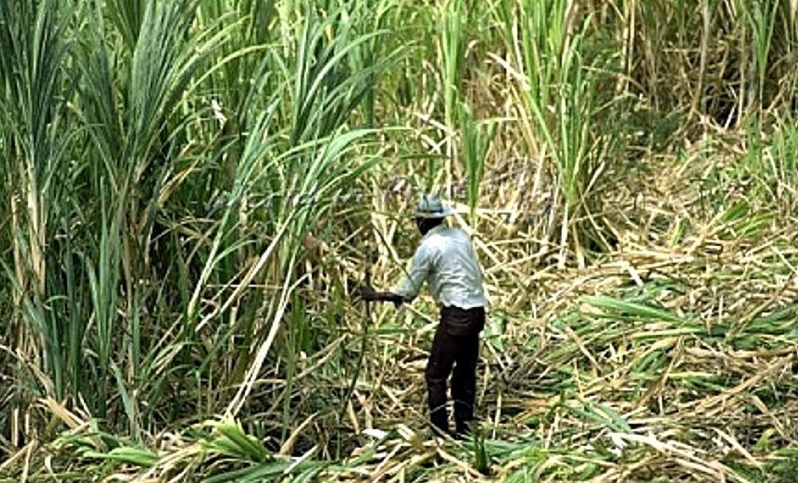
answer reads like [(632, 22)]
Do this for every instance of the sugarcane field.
[(399, 241)]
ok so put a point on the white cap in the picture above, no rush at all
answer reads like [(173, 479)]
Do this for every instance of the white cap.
[(430, 206)]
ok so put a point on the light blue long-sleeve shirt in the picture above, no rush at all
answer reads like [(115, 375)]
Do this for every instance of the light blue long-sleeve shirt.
[(445, 259)]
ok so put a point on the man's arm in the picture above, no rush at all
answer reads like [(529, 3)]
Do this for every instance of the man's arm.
[(419, 270), (408, 290), (371, 295)]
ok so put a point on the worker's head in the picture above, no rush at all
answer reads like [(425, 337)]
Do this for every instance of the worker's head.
[(430, 212)]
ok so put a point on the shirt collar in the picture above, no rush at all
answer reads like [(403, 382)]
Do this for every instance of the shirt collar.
[(434, 230)]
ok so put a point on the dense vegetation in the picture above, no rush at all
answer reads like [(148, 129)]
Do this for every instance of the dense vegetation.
[(191, 189)]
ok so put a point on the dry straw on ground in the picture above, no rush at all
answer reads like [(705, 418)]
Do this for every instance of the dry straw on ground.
[(671, 359)]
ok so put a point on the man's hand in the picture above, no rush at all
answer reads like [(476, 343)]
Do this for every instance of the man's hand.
[(368, 294)]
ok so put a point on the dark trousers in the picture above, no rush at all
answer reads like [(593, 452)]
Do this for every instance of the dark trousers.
[(455, 346)]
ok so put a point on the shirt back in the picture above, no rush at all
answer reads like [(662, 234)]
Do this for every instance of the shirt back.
[(445, 259)]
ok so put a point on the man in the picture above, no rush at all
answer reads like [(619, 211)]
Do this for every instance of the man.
[(446, 260)]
